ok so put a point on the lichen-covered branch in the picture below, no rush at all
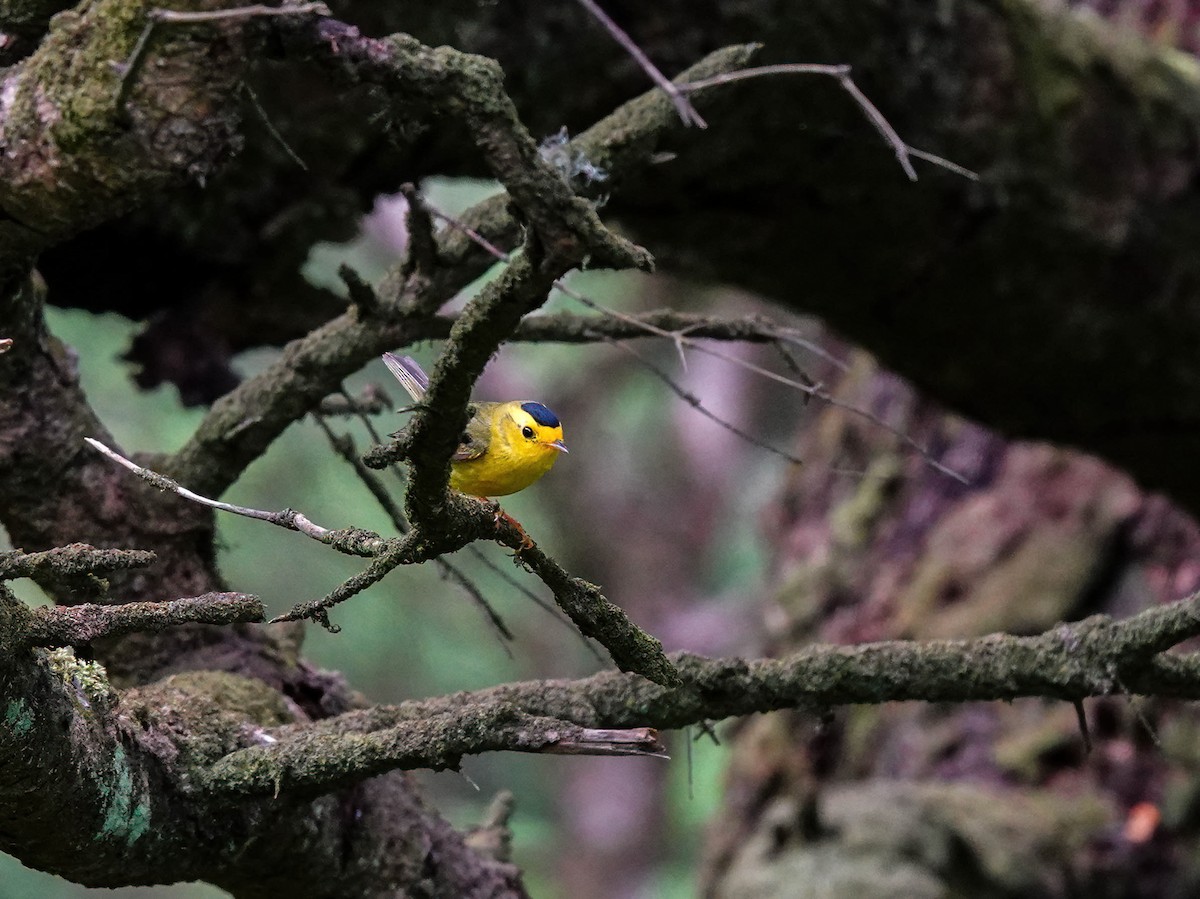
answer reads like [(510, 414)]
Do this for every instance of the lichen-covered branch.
[(80, 625), (450, 523), (596, 616), (565, 231), (460, 521), (565, 227), (470, 89), (70, 561), (22, 628), (311, 763), (432, 436), (1094, 657), (155, 769), (124, 817), (430, 439)]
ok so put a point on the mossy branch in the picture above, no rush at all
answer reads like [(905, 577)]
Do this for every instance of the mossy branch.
[(1072, 662), (430, 439), (309, 763), (564, 231), (598, 617), (23, 628), (1094, 657), (80, 625), (73, 560)]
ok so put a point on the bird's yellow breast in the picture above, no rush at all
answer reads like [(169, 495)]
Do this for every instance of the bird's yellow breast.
[(512, 460)]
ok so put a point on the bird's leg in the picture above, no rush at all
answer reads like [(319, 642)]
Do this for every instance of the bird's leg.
[(498, 514)]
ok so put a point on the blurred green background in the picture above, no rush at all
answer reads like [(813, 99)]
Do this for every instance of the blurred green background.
[(641, 463)]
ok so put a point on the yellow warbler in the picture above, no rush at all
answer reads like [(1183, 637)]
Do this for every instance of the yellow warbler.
[(505, 447)]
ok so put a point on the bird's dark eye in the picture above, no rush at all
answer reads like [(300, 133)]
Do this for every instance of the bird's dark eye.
[(465, 438), (527, 432)]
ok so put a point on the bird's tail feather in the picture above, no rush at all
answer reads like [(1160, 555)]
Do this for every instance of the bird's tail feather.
[(410, 374)]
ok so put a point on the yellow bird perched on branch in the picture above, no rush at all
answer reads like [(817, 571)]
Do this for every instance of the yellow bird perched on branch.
[(505, 447)]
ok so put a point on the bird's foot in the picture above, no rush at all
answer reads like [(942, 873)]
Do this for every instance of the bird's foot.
[(499, 515)]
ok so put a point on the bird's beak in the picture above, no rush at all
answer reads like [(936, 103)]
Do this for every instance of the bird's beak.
[(559, 445)]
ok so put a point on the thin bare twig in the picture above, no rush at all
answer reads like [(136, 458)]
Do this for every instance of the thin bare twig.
[(1136, 706), (677, 337), (789, 335), (251, 11), (1084, 731), (503, 633), (288, 518), (882, 125), (542, 604), (841, 74), (825, 397), (944, 163), (687, 112), (385, 554), (774, 332), (371, 401), (594, 615), (816, 392), (270, 126), (794, 366), (692, 400), (490, 248), (704, 728), (798, 68)]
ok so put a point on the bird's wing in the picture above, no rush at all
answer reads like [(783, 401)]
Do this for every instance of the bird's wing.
[(478, 434), (410, 375)]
